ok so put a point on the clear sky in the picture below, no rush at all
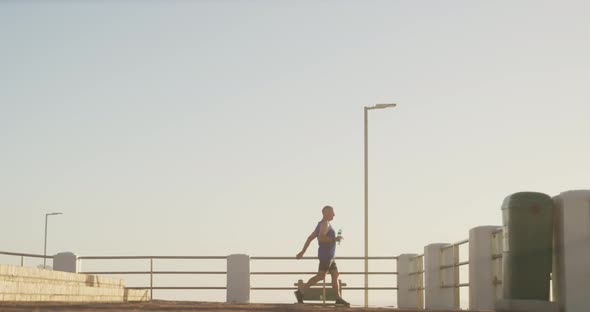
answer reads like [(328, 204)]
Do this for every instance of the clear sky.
[(220, 127)]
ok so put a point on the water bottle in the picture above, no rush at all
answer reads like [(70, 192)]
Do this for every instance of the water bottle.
[(339, 235)]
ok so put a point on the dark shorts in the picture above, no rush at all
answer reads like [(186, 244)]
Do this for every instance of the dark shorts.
[(327, 265)]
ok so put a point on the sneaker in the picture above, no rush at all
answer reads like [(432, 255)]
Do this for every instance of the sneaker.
[(342, 302), (299, 296)]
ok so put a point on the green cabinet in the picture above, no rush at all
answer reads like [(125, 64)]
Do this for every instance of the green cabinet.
[(528, 243)]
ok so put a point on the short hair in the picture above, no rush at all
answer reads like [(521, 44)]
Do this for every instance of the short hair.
[(326, 208)]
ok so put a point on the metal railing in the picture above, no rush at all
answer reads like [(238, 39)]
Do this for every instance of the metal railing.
[(456, 263), (497, 243), (416, 275), (454, 266), (153, 272), (24, 255)]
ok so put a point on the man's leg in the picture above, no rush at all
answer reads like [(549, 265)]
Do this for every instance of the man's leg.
[(335, 285), (323, 268), (314, 280)]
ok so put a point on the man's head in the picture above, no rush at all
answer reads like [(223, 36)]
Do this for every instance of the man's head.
[(328, 213)]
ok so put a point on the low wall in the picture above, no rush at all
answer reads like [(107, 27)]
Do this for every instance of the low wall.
[(32, 284)]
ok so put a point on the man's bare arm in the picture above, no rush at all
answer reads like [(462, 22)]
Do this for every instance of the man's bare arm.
[(310, 238)]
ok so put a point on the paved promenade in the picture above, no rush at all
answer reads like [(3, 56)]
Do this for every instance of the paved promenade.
[(172, 306)]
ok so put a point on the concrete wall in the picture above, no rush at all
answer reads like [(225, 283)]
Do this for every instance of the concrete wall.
[(32, 284)]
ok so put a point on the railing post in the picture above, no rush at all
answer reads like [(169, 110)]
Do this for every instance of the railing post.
[(408, 290), (151, 279), (22, 261), (438, 297), (482, 280), (238, 278), (572, 250), (65, 262)]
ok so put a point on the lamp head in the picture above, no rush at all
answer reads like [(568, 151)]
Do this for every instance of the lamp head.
[(381, 106)]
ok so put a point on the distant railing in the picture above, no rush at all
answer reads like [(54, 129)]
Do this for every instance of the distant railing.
[(24, 255), (153, 272)]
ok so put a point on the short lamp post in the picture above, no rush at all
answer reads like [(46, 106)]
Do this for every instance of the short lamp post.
[(45, 248)]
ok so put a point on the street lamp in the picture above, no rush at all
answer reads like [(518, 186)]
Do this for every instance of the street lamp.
[(367, 109), (45, 248)]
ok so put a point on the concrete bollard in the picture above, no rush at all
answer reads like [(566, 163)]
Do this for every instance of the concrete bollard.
[(572, 250), (484, 289), (408, 291), (238, 278), (65, 262), (438, 297)]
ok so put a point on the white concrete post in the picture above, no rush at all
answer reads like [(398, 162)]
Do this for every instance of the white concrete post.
[(66, 262), (407, 287), (484, 288), (437, 297), (238, 278), (572, 250)]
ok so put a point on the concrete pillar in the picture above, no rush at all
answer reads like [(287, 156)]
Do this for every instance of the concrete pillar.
[(437, 296), (66, 262), (409, 287), (238, 278), (484, 286), (572, 250)]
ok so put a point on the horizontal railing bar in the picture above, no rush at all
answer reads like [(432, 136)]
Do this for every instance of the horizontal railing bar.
[(418, 256), (122, 273), (176, 288), (369, 288), (315, 258), (465, 241), (327, 287), (273, 288), (152, 257), (224, 272), (456, 286), (442, 267), (499, 230), (257, 288), (496, 256), (217, 257), (341, 273), (24, 255), (418, 272), (456, 244), (156, 272)]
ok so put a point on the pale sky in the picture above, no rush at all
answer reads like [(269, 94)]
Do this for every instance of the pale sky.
[(221, 127)]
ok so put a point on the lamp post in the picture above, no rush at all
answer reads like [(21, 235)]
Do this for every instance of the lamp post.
[(45, 248), (367, 109)]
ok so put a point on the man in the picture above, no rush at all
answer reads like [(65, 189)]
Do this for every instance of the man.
[(327, 250)]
